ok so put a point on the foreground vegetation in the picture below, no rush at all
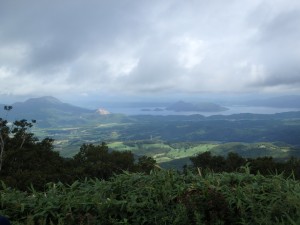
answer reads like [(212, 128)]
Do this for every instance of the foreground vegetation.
[(102, 186), (163, 197)]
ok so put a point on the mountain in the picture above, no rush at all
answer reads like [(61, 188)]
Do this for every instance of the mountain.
[(182, 106), (46, 109), (289, 101), (45, 105)]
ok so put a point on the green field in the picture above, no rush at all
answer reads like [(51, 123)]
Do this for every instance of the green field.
[(160, 151)]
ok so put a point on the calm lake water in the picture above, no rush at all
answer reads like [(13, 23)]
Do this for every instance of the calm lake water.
[(232, 110)]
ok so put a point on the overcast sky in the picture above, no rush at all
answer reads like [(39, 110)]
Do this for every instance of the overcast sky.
[(135, 47)]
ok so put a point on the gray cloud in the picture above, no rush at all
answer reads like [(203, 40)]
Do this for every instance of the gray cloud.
[(149, 46), (277, 48)]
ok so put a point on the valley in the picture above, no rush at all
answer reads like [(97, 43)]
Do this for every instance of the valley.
[(169, 139)]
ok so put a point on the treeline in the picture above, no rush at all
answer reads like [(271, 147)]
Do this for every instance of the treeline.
[(234, 162), (27, 161)]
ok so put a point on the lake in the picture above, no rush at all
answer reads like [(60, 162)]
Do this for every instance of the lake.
[(231, 110)]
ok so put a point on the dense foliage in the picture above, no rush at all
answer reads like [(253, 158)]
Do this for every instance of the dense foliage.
[(163, 197)]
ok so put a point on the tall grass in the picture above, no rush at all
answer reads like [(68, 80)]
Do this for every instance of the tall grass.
[(163, 197)]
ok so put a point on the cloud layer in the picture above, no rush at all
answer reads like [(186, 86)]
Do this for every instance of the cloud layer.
[(131, 46)]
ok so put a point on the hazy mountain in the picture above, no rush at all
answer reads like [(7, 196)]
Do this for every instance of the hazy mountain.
[(46, 109), (182, 106), (47, 104)]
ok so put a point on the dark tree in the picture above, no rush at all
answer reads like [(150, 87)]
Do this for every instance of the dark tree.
[(4, 135), (146, 164), (98, 161), (207, 161), (234, 161)]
